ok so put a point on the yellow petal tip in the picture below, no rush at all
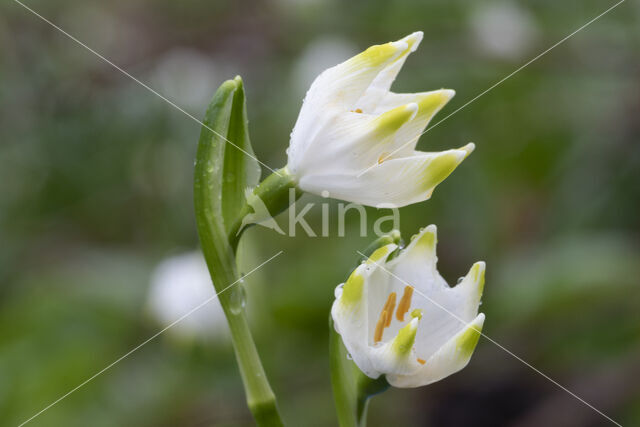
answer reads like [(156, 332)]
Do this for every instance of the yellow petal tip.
[(466, 342), (428, 238), (477, 275), (403, 342), (431, 102), (353, 288), (381, 253), (389, 122)]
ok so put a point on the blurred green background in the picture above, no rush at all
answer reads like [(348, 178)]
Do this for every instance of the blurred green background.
[(95, 192)]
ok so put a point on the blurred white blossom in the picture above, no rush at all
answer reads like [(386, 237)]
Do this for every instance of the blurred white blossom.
[(186, 77), (178, 285), (504, 30)]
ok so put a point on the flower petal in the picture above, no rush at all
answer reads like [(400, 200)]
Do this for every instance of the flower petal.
[(444, 307), (392, 183), (450, 358), (422, 248), (349, 310), (353, 141), (336, 90), (347, 82), (380, 86), (429, 104), (397, 356), (470, 290)]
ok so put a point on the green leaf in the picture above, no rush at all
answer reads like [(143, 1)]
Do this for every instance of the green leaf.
[(241, 169), (231, 163), (216, 202)]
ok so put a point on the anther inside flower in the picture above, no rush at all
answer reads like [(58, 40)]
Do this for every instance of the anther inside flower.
[(351, 121), (398, 317)]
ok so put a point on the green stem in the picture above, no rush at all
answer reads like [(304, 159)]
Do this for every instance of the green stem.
[(352, 389), (342, 380), (276, 193), (222, 266), (366, 389)]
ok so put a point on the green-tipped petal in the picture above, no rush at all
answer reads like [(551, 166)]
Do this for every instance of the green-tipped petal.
[(470, 289), (421, 251), (453, 356), (353, 287), (467, 340), (399, 181), (390, 122), (439, 168), (379, 55), (386, 54), (425, 241), (476, 274), (380, 254), (345, 83), (403, 342), (397, 356), (429, 103)]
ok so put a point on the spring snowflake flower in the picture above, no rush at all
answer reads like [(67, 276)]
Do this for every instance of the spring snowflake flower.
[(398, 317), (356, 139)]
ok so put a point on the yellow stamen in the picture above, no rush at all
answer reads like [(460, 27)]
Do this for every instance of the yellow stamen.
[(405, 303), (385, 317), (383, 157), (377, 335), (357, 110), (421, 361), (390, 306)]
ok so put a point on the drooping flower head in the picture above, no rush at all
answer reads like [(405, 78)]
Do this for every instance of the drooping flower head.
[(356, 139), (398, 317)]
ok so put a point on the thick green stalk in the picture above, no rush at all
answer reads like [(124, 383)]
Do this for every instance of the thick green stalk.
[(352, 390), (276, 193), (220, 258), (221, 263), (342, 380), (366, 389)]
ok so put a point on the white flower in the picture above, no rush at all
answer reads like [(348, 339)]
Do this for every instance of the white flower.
[(401, 319), (178, 285), (504, 30), (350, 121)]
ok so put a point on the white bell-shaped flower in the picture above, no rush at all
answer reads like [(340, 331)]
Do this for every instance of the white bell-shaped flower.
[(398, 317), (356, 139)]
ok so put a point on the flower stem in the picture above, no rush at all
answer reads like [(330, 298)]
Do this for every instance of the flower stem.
[(275, 194), (221, 262), (366, 389)]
